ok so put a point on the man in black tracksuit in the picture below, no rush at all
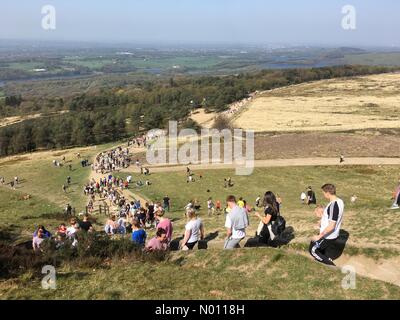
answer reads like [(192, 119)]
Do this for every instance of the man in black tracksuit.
[(330, 226)]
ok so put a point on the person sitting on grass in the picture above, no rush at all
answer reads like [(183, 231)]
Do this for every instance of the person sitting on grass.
[(46, 234), (72, 231), (138, 234), (271, 212), (73, 228), (141, 216), (164, 223), (303, 197), (236, 223), (112, 226), (60, 240), (62, 229), (311, 198), (159, 242), (331, 222), (38, 239), (85, 224), (194, 231)]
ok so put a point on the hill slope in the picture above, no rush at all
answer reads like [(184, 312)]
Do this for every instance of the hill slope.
[(328, 105)]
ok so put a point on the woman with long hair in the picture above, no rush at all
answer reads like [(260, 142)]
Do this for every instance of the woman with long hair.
[(271, 212)]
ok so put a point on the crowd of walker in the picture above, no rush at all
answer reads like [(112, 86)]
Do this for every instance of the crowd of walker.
[(134, 217), (113, 160), (137, 219)]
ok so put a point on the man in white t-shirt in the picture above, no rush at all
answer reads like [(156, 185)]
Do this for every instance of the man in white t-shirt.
[(331, 222), (236, 223)]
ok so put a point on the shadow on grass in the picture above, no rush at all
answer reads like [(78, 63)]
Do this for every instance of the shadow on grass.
[(25, 245), (174, 245), (53, 215), (8, 233), (202, 244), (282, 240)]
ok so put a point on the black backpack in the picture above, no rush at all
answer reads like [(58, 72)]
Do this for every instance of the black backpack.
[(279, 225)]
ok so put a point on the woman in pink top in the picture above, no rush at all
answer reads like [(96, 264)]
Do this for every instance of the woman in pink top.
[(164, 223)]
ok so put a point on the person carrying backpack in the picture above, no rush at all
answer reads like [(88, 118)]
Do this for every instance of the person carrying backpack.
[(272, 223)]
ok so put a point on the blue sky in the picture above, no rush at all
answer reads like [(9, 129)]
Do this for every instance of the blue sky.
[(202, 21)]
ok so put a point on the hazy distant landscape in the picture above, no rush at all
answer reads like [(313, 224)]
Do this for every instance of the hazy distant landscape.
[(25, 61)]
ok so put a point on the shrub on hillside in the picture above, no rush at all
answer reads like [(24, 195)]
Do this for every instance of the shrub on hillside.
[(92, 250), (222, 122)]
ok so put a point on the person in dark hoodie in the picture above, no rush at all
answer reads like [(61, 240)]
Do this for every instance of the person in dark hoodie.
[(236, 223), (311, 198)]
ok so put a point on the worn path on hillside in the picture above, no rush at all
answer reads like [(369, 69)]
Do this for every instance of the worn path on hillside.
[(300, 162), (127, 193)]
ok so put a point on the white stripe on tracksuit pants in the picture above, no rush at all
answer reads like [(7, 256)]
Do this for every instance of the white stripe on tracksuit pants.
[(317, 250)]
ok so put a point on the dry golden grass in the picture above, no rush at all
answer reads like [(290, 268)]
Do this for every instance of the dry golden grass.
[(203, 118), (16, 119), (8, 121), (328, 105)]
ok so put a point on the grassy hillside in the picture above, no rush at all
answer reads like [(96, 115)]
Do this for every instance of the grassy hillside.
[(263, 274), (372, 185), (331, 105), (43, 182)]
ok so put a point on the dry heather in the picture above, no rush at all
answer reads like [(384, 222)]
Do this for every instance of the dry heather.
[(328, 105), (203, 118), (8, 121)]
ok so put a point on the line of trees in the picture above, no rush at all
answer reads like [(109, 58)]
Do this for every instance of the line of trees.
[(113, 114), (79, 129)]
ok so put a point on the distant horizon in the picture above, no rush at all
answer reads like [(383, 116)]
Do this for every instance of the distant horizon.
[(181, 44)]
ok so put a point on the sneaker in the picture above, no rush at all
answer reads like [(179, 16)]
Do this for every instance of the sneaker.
[(395, 206)]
